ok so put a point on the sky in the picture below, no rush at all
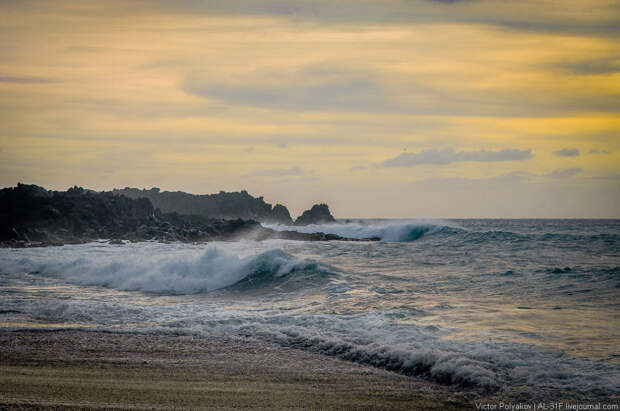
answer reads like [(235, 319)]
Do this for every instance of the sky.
[(382, 108)]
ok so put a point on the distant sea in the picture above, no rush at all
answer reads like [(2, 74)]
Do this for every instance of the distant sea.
[(523, 308)]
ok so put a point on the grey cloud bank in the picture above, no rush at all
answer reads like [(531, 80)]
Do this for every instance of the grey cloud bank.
[(528, 15), (25, 80), (448, 156), (590, 66), (346, 95), (567, 172), (567, 152), (329, 88)]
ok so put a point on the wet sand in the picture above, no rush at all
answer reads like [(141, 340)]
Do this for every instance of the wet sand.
[(67, 369)]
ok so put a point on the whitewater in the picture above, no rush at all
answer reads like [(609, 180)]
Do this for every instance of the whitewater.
[(493, 306)]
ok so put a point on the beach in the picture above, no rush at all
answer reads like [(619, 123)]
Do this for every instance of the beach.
[(71, 369), (436, 315)]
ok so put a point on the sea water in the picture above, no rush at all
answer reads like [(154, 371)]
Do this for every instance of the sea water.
[(528, 308)]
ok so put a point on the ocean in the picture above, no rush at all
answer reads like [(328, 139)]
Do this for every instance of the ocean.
[(526, 309)]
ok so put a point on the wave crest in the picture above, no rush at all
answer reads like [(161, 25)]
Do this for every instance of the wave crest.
[(392, 231), (169, 273)]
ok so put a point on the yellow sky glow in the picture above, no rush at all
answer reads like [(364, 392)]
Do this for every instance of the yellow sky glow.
[(309, 103)]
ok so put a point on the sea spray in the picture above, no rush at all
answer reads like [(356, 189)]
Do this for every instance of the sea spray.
[(447, 307), (393, 231), (152, 269)]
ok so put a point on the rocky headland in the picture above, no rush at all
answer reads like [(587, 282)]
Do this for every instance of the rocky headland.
[(33, 216), (223, 205)]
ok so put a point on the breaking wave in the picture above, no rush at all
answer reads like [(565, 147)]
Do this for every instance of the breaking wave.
[(393, 231), (487, 305), (484, 365), (162, 271), (377, 340)]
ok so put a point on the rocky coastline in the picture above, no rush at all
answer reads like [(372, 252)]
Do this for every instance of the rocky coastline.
[(32, 216), (222, 205)]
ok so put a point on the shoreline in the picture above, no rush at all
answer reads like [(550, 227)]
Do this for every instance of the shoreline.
[(60, 369)]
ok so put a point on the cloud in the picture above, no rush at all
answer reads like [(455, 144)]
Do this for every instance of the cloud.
[(277, 172), (353, 94), (25, 80), (606, 65), (334, 87), (448, 156), (567, 152), (607, 177), (566, 172), (576, 16), (598, 151)]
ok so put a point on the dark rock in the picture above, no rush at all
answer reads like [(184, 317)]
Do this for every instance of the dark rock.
[(280, 215), (222, 205), (31, 216), (318, 214)]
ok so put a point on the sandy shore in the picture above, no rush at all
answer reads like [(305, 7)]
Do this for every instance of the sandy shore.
[(85, 369)]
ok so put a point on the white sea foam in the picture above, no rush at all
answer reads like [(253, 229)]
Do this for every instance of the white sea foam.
[(372, 338), (377, 309), (394, 230), (410, 349), (154, 268)]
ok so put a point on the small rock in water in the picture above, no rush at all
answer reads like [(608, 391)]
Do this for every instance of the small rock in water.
[(318, 214)]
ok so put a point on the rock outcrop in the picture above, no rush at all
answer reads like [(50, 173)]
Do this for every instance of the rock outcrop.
[(280, 215), (318, 214), (223, 205), (32, 216)]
